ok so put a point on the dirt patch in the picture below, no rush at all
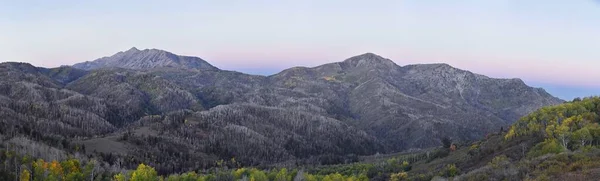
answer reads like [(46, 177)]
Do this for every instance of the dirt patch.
[(145, 131)]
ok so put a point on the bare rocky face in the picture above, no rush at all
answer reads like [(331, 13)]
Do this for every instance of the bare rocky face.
[(146, 59)]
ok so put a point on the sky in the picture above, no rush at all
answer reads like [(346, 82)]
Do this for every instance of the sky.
[(553, 44)]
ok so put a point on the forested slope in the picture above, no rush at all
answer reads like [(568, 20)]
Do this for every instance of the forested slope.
[(179, 113)]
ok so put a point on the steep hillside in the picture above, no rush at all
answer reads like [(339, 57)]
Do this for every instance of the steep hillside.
[(553, 143), (416, 105), (180, 113), (35, 106)]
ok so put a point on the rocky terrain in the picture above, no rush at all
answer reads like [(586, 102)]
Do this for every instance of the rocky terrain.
[(181, 113), (146, 59)]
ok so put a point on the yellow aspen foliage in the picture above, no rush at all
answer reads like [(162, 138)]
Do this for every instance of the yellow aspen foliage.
[(239, 173), (39, 170), (399, 176), (310, 177), (56, 169), (334, 177), (71, 165), (257, 175), (25, 175), (144, 173), (282, 175), (119, 177)]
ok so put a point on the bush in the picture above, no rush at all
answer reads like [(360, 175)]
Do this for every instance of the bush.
[(450, 171), (399, 176), (552, 167), (474, 149), (563, 157), (546, 147), (498, 161)]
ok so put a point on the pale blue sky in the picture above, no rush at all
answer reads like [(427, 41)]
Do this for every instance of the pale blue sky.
[(552, 43)]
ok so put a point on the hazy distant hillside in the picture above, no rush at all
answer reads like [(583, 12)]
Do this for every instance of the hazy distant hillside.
[(146, 59)]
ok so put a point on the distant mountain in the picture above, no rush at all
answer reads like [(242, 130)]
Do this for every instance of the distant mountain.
[(416, 105), (180, 113), (146, 59)]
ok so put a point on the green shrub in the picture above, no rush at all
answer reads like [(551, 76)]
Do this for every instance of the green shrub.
[(551, 167), (399, 176), (546, 147), (474, 149), (562, 157), (498, 161), (450, 171)]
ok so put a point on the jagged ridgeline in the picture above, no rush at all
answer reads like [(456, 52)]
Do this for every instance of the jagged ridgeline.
[(179, 113)]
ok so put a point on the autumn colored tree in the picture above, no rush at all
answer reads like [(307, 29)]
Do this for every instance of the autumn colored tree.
[(119, 177), (257, 175), (453, 148), (39, 170), (451, 171), (71, 165), (240, 172), (190, 176), (144, 173), (405, 166), (399, 176), (56, 171), (282, 175), (25, 175), (334, 177)]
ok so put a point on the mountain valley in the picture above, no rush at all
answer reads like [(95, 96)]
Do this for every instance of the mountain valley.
[(179, 113)]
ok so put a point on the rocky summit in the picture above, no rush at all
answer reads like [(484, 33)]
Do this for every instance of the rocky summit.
[(146, 59)]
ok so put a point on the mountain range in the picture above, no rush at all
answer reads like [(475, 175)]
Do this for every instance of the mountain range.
[(181, 113)]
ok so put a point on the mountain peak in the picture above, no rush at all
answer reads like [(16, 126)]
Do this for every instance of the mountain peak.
[(369, 54), (146, 59), (369, 60), (133, 49)]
